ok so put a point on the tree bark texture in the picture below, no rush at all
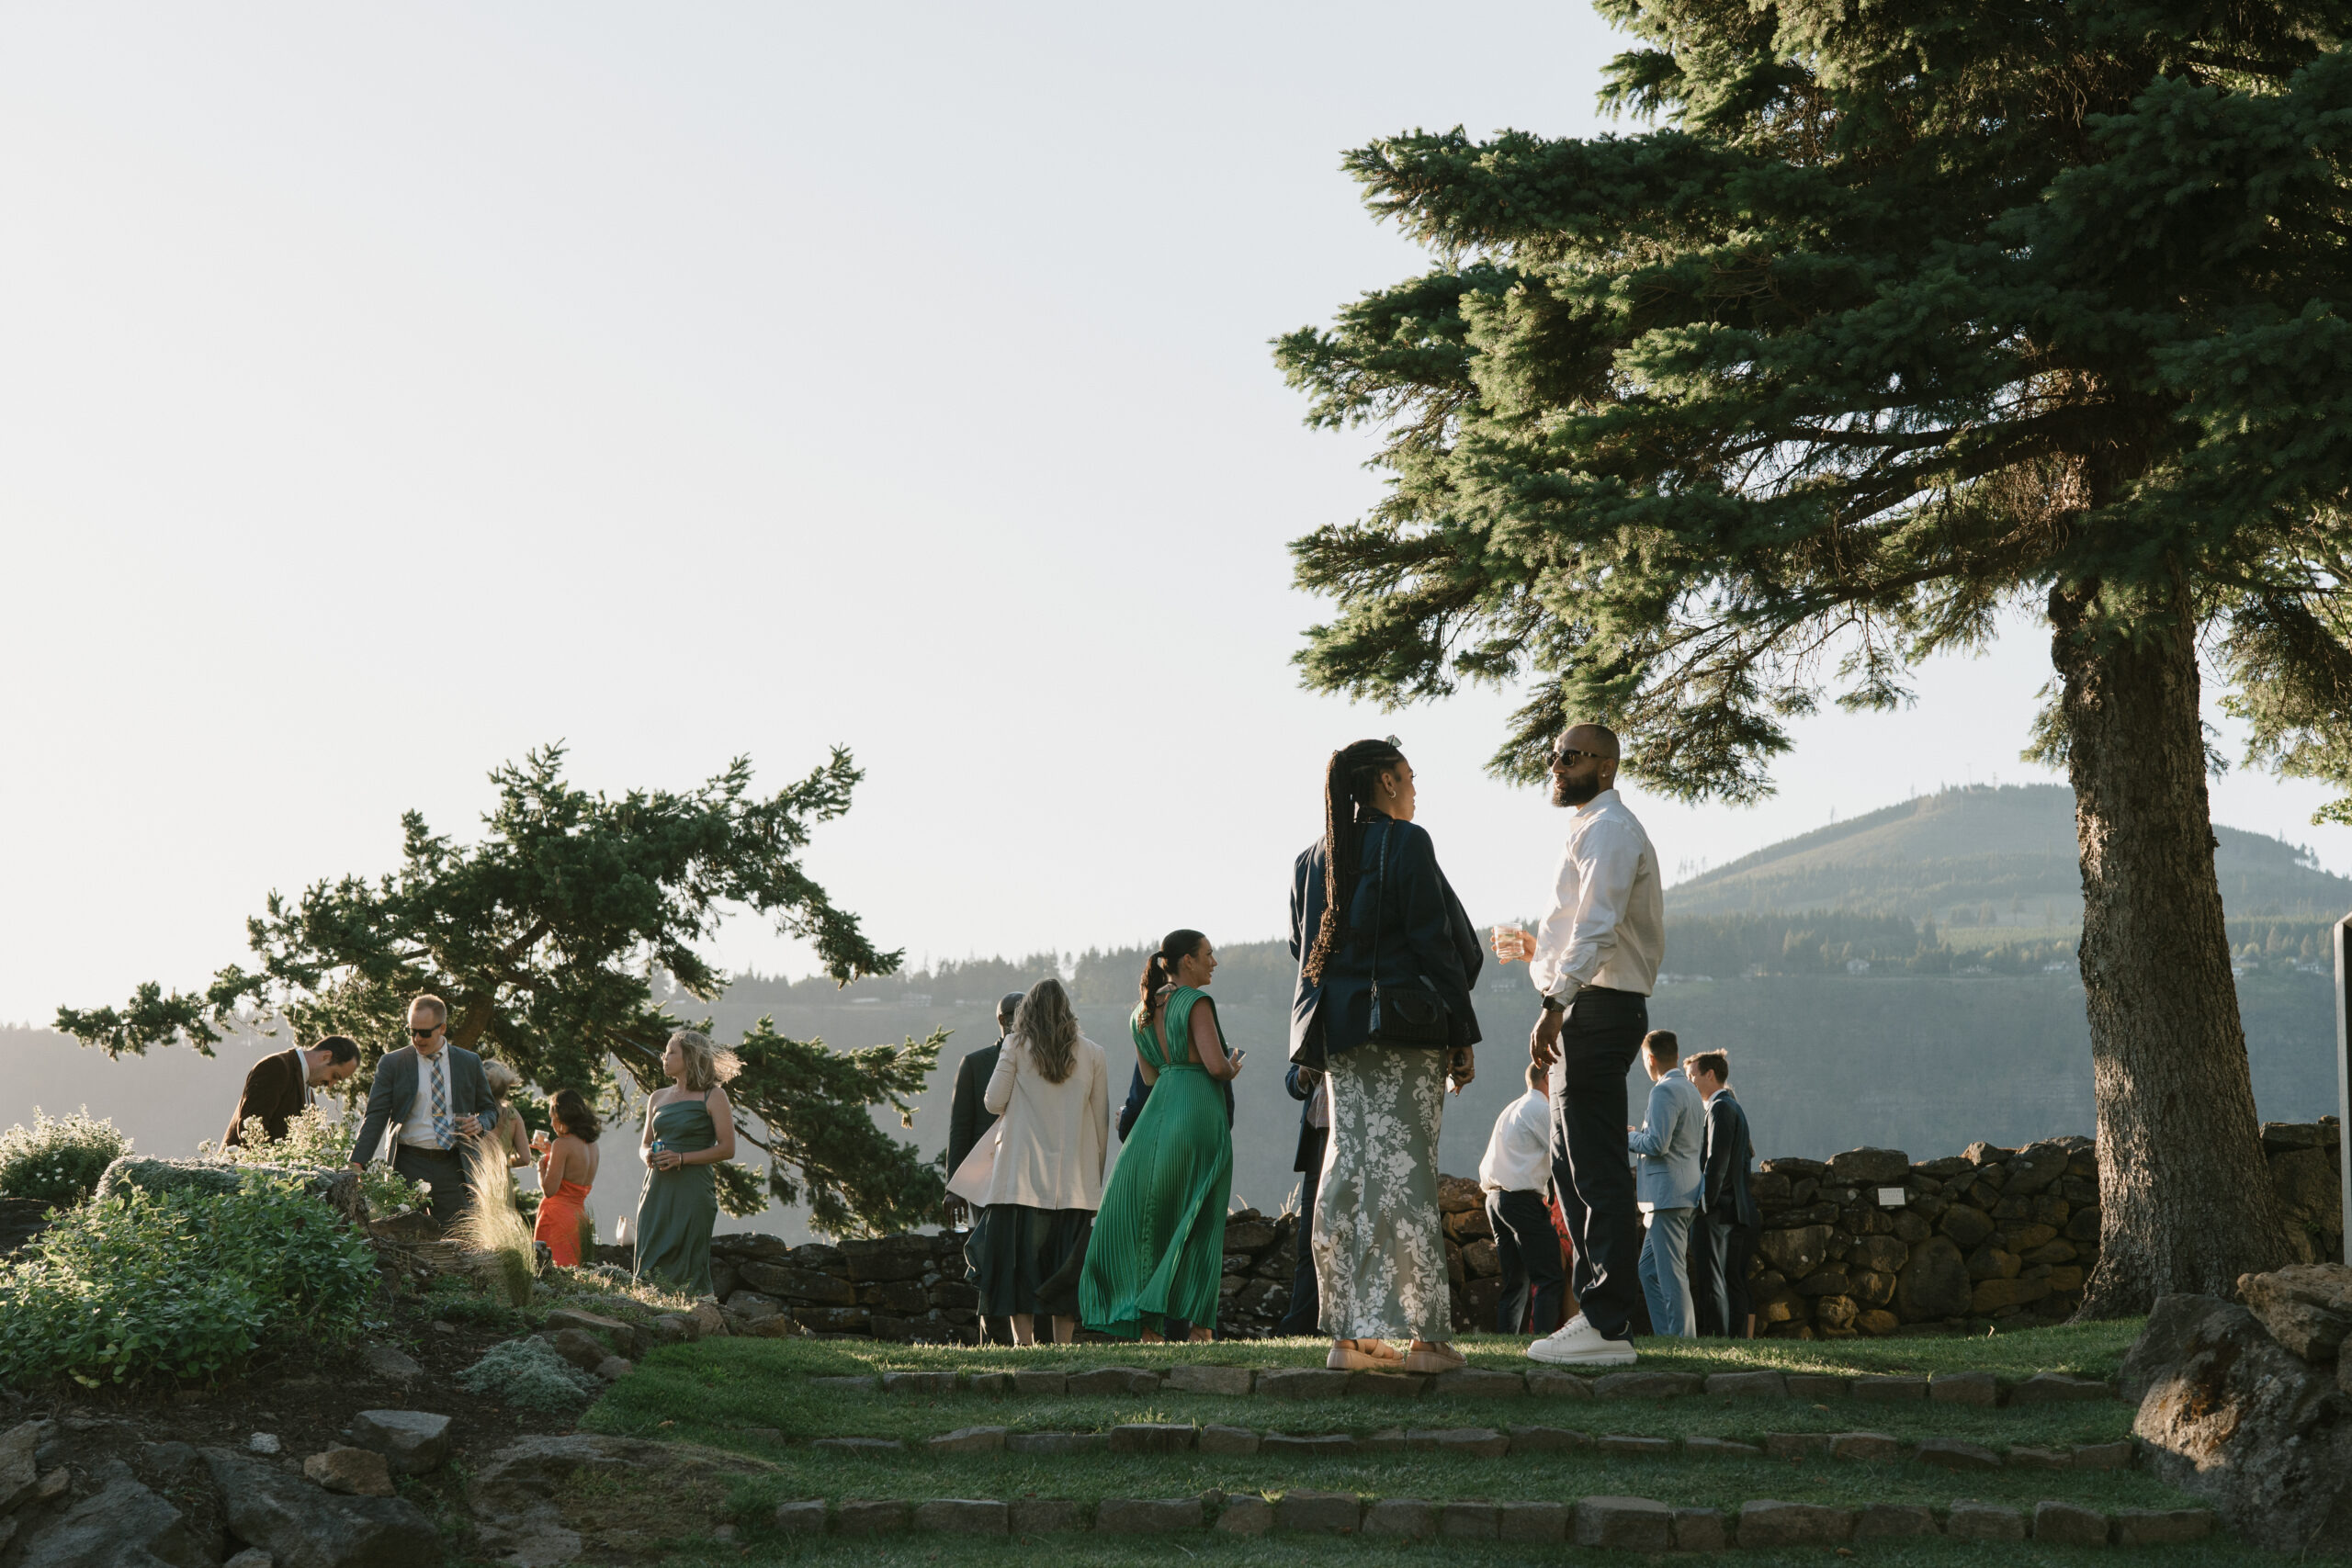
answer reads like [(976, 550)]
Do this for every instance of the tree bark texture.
[(2185, 1200)]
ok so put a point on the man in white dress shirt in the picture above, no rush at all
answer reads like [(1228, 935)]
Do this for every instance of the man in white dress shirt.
[(1595, 960), (430, 1094), (1516, 1176)]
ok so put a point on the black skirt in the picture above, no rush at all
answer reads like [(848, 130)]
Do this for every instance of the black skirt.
[(1027, 1260)]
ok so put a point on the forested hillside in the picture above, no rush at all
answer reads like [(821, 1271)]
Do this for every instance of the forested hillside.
[(1935, 1004)]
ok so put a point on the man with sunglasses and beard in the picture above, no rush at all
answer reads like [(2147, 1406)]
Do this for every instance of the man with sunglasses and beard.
[(430, 1093), (1595, 960)]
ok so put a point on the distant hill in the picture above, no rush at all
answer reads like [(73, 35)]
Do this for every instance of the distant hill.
[(1957, 855)]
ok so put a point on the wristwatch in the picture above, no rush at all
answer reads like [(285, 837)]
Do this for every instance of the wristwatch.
[(1553, 1004)]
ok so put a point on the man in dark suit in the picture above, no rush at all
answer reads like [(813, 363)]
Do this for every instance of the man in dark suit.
[(1730, 1225), (1306, 1085), (429, 1094), (968, 1120), (278, 1087)]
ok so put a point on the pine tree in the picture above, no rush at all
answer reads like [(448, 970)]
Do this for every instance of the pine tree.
[(546, 938), (1911, 314)]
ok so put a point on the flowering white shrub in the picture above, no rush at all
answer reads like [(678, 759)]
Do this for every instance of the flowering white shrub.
[(58, 1159)]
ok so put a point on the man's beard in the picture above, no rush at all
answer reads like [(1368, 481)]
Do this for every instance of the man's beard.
[(1566, 793)]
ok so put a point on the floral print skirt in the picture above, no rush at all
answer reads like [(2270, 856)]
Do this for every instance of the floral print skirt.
[(1379, 1246)]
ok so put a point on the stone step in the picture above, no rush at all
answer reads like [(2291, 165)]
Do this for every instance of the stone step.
[(1980, 1390), (1488, 1442), (1633, 1524)]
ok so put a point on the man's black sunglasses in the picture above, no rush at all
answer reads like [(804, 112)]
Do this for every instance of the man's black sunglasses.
[(421, 1034), (1566, 755)]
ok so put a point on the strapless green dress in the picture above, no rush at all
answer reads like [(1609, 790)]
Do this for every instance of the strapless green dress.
[(678, 1207), (1159, 1245)]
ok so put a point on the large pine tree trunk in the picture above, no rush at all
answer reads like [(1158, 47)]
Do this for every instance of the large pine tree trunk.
[(2185, 1197)]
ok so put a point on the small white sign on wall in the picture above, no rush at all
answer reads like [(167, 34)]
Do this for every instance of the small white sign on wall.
[(1890, 1197)]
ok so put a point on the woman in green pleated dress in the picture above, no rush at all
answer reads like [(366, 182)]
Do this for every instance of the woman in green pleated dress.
[(689, 1127), (1158, 1251)]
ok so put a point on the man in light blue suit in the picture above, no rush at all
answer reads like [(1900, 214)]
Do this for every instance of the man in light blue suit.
[(1671, 1142)]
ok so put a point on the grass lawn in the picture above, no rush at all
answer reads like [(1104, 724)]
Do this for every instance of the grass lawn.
[(752, 1397)]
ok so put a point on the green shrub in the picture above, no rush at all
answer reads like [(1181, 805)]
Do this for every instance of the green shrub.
[(58, 1160), (316, 1140), (529, 1375), (183, 1284)]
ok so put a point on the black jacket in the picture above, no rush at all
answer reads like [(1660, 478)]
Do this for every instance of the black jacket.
[(1424, 936), (968, 1118), (1723, 1194), (1138, 1091), (1310, 1139)]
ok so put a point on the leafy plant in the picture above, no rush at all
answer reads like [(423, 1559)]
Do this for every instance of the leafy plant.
[(58, 1159), (529, 1375), (318, 1139), (181, 1284)]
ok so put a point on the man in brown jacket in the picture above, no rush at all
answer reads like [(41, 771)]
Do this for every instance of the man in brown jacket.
[(279, 1086)]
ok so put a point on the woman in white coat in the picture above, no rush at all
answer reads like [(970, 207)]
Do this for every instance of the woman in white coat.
[(1052, 1093)]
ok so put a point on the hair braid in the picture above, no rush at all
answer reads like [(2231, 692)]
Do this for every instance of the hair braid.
[(1347, 783)]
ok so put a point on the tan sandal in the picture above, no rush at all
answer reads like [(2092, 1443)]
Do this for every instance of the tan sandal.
[(1435, 1359), (1363, 1356)]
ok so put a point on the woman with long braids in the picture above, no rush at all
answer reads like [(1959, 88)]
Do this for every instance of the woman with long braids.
[(1158, 1251), (1386, 958)]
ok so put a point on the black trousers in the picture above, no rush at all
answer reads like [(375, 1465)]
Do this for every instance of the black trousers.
[(1590, 1169), (445, 1170), (1529, 1250), (1719, 1255), (1305, 1313)]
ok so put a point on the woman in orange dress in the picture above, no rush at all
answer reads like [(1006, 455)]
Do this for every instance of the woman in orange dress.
[(567, 1170)]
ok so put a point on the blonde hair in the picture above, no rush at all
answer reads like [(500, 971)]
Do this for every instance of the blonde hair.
[(1044, 1021), (432, 1004), (708, 1066), (503, 1078)]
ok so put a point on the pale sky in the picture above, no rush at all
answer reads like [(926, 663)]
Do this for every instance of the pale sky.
[(386, 390)]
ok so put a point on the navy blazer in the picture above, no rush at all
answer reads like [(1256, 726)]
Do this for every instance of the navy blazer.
[(1723, 1193), (1424, 936), (1310, 1152), (394, 1090)]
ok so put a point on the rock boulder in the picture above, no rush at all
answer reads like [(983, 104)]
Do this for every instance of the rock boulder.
[(301, 1526), (2228, 1413), (2307, 1307), (122, 1525)]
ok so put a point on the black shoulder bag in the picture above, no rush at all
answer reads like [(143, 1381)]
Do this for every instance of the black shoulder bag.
[(1401, 1015)]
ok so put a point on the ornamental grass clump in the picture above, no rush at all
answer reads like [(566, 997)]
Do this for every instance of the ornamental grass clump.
[(58, 1159), (528, 1375), (179, 1284), (492, 1226)]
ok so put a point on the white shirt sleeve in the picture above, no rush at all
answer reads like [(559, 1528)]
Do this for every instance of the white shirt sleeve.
[(1596, 880)]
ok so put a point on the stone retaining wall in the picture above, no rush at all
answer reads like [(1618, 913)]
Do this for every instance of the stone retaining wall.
[(1627, 1523), (1869, 1242)]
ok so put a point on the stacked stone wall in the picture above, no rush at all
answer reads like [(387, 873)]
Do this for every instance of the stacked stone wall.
[(1866, 1243)]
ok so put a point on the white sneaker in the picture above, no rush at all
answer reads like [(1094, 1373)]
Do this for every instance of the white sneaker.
[(1578, 1344)]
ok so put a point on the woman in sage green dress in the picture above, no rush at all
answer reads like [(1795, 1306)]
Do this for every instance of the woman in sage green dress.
[(689, 1127), (1158, 1251)]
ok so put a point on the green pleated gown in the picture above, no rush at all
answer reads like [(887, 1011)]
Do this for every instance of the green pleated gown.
[(678, 1207), (1158, 1246)]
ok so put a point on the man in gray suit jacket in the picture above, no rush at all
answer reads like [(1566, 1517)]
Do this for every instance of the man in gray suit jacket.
[(430, 1094), (1671, 1143)]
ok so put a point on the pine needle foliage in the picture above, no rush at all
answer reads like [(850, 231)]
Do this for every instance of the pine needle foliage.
[(547, 936)]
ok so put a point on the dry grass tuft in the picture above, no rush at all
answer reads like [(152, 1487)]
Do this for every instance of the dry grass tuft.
[(493, 1227)]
